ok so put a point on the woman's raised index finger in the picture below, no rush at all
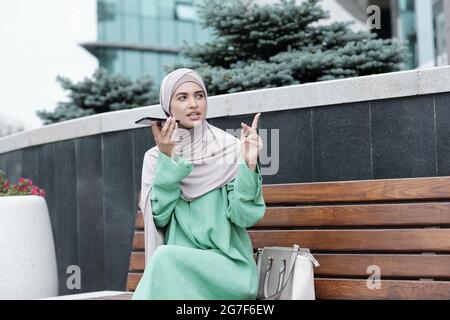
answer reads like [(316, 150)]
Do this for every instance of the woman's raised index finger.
[(255, 121)]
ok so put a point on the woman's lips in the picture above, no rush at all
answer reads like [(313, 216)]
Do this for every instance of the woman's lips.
[(195, 116)]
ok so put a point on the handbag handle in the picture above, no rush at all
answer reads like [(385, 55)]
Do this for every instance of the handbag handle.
[(281, 274), (266, 277), (291, 266)]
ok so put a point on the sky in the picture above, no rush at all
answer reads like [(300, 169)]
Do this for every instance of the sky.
[(39, 41)]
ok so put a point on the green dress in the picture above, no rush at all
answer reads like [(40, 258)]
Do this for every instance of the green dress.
[(208, 253)]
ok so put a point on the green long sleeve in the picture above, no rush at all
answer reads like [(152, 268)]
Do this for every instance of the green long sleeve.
[(246, 203), (166, 187)]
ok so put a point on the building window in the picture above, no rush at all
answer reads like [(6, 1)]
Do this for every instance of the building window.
[(169, 37), (131, 7), (149, 8), (133, 66), (166, 9), (131, 29), (405, 19), (151, 65), (185, 12), (111, 60), (440, 43), (107, 10)]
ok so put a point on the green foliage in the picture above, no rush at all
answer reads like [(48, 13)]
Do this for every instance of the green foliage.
[(281, 44), (101, 93)]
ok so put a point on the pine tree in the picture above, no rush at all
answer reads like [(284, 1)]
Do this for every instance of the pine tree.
[(256, 47), (100, 93)]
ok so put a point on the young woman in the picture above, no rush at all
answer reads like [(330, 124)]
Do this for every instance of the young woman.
[(204, 188)]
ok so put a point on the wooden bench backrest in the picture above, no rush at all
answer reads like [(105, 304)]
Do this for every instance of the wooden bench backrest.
[(355, 228)]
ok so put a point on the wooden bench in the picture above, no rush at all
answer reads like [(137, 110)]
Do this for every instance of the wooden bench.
[(402, 226)]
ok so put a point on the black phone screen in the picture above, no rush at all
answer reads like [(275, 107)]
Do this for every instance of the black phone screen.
[(149, 121)]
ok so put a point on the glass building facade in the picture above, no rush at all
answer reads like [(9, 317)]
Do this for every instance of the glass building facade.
[(440, 33), (141, 37), (423, 24), (406, 28)]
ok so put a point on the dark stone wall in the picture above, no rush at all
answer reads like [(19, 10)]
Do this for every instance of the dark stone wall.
[(92, 183)]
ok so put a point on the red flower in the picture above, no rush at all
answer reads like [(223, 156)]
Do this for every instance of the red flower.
[(23, 186), (34, 190)]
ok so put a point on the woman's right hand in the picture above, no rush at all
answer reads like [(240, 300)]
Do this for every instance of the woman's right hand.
[(165, 136)]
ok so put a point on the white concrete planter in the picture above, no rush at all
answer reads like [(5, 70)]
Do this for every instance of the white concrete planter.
[(27, 251)]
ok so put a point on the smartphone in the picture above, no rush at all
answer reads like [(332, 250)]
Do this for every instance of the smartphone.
[(149, 121)]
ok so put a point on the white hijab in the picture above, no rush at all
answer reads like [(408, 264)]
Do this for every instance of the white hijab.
[(213, 153)]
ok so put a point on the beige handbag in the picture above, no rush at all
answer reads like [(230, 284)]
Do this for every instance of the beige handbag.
[(285, 273)]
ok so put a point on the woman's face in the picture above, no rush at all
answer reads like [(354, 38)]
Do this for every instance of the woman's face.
[(188, 105)]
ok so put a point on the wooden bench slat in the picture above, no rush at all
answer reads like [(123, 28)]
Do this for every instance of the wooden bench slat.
[(355, 265), (125, 296), (408, 266), (402, 240), (133, 280), (139, 220), (137, 261), (139, 240), (397, 240), (358, 290), (336, 289), (359, 191), (423, 214)]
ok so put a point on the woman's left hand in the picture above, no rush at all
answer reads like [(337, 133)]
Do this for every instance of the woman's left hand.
[(251, 142)]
